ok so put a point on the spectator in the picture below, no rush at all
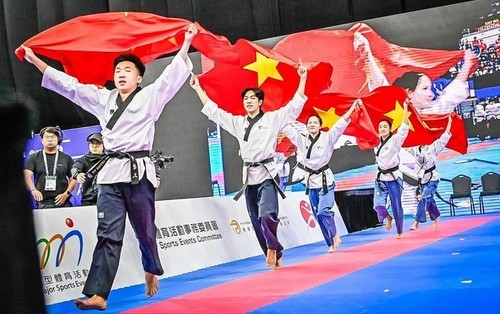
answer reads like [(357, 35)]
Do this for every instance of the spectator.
[(48, 172)]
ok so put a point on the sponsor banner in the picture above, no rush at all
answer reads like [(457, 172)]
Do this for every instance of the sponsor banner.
[(192, 234)]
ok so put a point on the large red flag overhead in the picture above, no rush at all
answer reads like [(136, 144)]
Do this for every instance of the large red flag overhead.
[(350, 71), (87, 45), (261, 67)]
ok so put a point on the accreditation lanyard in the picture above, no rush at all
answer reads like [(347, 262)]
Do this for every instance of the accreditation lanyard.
[(50, 180)]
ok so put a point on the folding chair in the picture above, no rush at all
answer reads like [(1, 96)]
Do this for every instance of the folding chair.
[(491, 186), (461, 185)]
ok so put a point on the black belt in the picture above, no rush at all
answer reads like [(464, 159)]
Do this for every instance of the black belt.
[(430, 170), (386, 171), (134, 169), (311, 172), (249, 164)]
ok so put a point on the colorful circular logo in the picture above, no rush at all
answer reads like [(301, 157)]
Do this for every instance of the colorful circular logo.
[(307, 214)]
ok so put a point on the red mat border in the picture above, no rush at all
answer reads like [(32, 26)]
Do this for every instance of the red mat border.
[(252, 292)]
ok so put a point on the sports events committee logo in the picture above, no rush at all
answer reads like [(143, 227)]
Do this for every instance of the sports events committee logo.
[(60, 245), (307, 214)]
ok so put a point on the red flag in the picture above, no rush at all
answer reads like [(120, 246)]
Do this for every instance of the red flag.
[(260, 67), (437, 122), (330, 107), (387, 103), (86, 46), (215, 47), (285, 146), (350, 71)]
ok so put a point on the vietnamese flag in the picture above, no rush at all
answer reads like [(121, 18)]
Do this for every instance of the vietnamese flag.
[(384, 103), (437, 122), (263, 68), (330, 107), (387, 103), (350, 69)]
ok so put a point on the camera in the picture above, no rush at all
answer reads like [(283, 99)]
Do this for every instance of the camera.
[(160, 160)]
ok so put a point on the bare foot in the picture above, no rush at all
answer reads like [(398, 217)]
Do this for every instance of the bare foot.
[(151, 285), (415, 226), (436, 223), (337, 241), (332, 249), (279, 264), (401, 236), (388, 225), (271, 258), (94, 303)]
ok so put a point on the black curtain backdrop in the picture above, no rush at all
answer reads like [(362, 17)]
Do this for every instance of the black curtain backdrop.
[(250, 19)]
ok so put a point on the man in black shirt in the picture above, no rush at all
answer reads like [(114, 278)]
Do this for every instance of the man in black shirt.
[(82, 165), (47, 172)]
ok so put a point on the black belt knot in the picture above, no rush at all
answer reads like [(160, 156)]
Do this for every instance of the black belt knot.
[(134, 169), (318, 171), (249, 164)]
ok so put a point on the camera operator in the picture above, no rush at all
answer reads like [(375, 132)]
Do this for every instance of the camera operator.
[(160, 161), (82, 165)]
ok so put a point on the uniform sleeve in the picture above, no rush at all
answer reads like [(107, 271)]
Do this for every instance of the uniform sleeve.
[(289, 112), (224, 119), (87, 96), (441, 142), (170, 81), (401, 135), (453, 94), (337, 130)]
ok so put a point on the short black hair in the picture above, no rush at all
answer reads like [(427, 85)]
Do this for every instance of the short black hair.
[(409, 80), (56, 130), (317, 116), (132, 58), (257, 91)]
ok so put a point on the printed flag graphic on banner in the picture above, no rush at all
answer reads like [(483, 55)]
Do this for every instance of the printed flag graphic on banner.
[(263, 68), (351, 66)]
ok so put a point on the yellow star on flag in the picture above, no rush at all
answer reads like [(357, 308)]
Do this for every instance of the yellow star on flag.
[(397, 116), (173, 41), (328, 117), (265, 67)]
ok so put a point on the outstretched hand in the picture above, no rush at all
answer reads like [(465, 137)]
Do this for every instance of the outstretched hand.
[(29, 55), (302, 70), (361, 43), (190, 33), (194, 82)]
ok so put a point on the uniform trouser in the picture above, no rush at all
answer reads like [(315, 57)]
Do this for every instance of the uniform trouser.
[(114, 201), (394, 190), (322, 207), (262, 207), (427, 202)]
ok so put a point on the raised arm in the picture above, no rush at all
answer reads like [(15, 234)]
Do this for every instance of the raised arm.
[(405, 113), (188, 38), (302, 71), (32, 58), (375, 76), (358, 103), (195, 84)]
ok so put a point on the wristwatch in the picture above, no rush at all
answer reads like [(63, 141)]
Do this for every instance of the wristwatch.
[(69, 193)]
